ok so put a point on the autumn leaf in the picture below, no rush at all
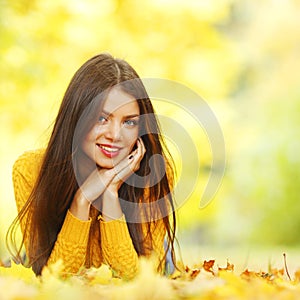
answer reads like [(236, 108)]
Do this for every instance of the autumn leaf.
[(18, 271), (102, 275), (229, 267), (17, 289), (200, 281), (297, 276), (191, 273), (208, 265)]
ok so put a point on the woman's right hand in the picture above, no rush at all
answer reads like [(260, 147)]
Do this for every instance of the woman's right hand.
[(94, 186)]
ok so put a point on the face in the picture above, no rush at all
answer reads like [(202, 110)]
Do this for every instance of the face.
[(115, 133)]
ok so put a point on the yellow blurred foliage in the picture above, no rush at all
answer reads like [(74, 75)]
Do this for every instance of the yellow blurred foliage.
[(196, 282)]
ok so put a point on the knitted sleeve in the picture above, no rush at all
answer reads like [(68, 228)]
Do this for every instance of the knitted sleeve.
[(154, 242), (24, 174), (71, 243), (118, 250)]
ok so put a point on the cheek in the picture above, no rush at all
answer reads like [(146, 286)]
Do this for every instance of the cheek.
[(89, 139), (131, 137), (93, 134)]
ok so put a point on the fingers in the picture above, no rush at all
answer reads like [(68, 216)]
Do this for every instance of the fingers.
[(124, 163), (128, 165), (94, 185), (138, 155), (132, 163), (143, 148), (99, 179)]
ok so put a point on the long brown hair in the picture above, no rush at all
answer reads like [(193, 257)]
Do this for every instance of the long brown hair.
[(57, 184)]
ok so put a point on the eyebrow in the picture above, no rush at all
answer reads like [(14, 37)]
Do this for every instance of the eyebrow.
[(125, 117)]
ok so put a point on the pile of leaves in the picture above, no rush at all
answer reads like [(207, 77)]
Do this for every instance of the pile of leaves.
[(205, 281)]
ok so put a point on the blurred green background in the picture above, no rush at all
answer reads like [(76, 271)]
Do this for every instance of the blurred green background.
[(242, 57)]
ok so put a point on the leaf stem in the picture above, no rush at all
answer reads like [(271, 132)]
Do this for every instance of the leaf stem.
[(286, 269)]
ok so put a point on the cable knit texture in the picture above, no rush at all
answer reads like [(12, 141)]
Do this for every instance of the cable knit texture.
[(109, 242)]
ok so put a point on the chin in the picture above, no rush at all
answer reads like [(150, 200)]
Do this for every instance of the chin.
[(109, 164), (105, 165)]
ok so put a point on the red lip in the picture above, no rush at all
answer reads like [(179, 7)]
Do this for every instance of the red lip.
[(108, 151), (110, 146)]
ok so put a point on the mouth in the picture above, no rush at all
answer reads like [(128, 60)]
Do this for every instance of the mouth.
[(109, 150)]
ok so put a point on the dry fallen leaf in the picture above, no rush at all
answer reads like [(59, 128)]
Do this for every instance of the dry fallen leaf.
[(229, 267), (200, 281), (208, 265), (297, 276)]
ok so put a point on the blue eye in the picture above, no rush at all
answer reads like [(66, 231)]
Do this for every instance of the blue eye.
[(131, 122)]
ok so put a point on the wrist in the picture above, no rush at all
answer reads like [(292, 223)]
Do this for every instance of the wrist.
[(80, 200), (111, 209), (111, 191), (80, 206)]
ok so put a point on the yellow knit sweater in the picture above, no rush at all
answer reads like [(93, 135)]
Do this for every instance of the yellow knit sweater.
[(110, 242)]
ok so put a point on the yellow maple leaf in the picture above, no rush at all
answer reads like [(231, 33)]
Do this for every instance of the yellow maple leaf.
[(18, 271), (102, 275)]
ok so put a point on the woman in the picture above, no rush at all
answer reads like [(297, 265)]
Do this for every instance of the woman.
[(99, 193)]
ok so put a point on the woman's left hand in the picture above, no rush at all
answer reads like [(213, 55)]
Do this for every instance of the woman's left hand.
[(111, 208), (133, 165)]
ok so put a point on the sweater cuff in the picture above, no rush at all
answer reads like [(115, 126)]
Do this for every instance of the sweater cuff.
[(115, 230), (75, 230)]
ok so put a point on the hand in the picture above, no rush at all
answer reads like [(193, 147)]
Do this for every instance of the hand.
[(111, 208), (125, 170), (89, 191), (100, 180)]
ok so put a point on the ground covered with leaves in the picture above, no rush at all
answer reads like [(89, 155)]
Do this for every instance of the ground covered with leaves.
[(208, 280)]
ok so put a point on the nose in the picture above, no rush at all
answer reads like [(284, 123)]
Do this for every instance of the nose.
[(113, 131)]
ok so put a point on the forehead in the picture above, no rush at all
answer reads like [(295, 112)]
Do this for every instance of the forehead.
[(119, 102)]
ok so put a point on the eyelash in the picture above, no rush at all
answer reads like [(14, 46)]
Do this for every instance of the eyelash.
[(130, 123)]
